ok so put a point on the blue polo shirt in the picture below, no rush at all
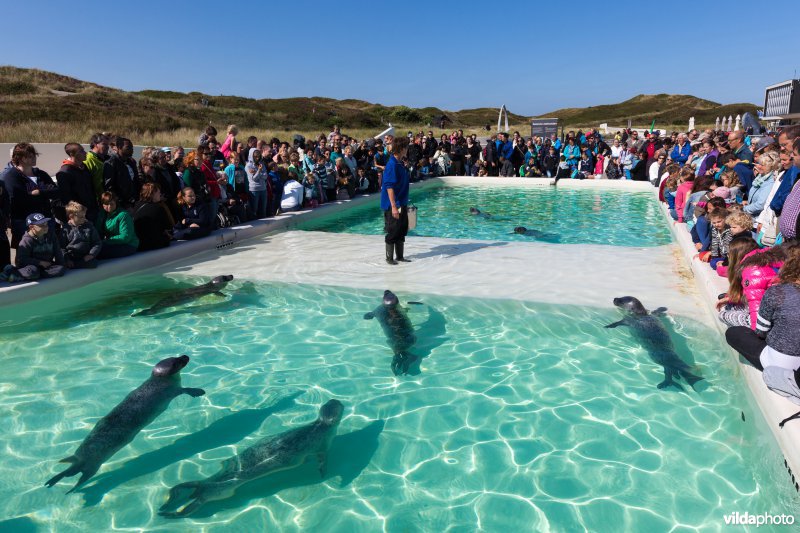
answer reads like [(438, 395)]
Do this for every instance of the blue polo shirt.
[(395, 177)]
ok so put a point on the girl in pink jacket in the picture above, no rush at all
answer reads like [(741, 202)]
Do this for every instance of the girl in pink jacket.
[(751, 279)]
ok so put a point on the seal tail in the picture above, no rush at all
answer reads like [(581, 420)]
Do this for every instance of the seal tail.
[(69, 472)]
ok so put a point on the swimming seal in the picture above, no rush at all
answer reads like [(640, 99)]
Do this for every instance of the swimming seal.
[(649, 330), (123, 423), (269, 455), (212, 287), (398, 330), (536, 234)]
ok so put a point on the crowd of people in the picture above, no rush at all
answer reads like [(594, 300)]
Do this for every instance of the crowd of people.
[(738, 196)]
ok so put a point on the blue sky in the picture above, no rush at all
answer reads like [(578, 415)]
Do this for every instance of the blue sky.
[(534, 57)]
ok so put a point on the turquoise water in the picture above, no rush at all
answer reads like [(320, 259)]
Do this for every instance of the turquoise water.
[(522, 416), (569, 216)]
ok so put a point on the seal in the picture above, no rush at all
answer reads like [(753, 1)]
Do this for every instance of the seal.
[(212, 287), (650, 331), (398, 330), (536, 234), (474, 211), (123, 423), (269, 455)]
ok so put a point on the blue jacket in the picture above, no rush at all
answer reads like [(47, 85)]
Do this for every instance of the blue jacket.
[(681, 155), (745, 174), (757, 198), (701, 233), (506, 149), (395, 177), (571, 153), (789, 178)]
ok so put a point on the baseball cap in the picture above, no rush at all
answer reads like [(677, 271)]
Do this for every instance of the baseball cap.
[(166, 150), (36, 219)]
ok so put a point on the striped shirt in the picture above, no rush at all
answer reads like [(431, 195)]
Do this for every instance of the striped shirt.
[(779, 318)]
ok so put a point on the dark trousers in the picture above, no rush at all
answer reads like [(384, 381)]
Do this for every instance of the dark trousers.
[(5, 250), (396, 229), (745, 341), (114, 250)]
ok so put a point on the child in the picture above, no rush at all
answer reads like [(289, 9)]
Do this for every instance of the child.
[(740, 223), (686, 182), (363, 180), (585, 166), (237, 176), (530, 169), (321, 174), (481, 167), (345, 186), (312, 190), (425, 169), (598, 166), (750, 278), (720, 239), (701, 231), (295, 168), (83, 243), (550, 162), (776, 341), (613, 170), (195, 220), (564, 171), (38, 252), (670, 187)]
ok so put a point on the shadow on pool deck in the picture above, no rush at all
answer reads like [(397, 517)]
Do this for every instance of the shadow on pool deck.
[(225, 431), (348, 456), (452, 250)]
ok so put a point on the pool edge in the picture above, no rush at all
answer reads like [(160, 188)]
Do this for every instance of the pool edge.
[(773, 407)]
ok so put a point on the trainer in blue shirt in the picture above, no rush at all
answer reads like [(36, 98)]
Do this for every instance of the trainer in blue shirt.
[(394, 201)]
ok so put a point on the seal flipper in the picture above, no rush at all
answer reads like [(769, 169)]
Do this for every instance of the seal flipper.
[(69, 472), (218, 293), (322, 457), (617, 323), (669, 381), (85, 476), (193, 392), (369, 316), (184, 499), (661, 311)]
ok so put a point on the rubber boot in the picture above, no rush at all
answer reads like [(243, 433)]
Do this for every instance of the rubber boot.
[(399, 248), (390, 254)]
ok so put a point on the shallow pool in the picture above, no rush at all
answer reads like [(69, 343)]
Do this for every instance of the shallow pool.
[(569, 216), (520, 416)]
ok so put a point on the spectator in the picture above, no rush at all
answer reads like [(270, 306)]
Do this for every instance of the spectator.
[(75, 183), (152, 220), (38, 254), (257, 175), (769, 164), (29, 189), (776, 340), (120, 175), (680, 153), (115, 226), (81, 242), (739, 148), (195, 219), (292, 198), (230, 141), (95, 158)]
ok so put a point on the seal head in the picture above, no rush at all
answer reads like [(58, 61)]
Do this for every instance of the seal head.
[(170, 366), (221, 281), (631, 305), (474, 211), (520, 229), (330, 414), (390, 299)]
